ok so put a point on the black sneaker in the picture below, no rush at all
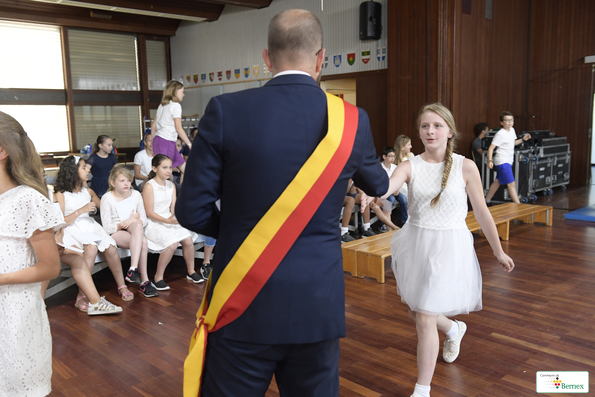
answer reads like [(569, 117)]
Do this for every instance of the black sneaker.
[(195, 278), (368, 233), (148, 290), (347, 238), (205, 270), (133, 276), (160, 285)]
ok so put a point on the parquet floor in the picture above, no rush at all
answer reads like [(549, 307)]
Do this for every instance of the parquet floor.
[(541, 317)]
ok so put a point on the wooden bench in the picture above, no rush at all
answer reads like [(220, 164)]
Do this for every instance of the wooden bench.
[(504, 213), (366, 257), (65, 279)]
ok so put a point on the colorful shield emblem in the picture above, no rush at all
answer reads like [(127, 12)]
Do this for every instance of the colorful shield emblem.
[(211, 76), (337, 60), (246, 72), (351, 58), (203, 77), (381, 53), (220, 75), (256, 70), (325, 63), (228, 74), (366, 56), (188, 79), (195, 78), (236, 73)]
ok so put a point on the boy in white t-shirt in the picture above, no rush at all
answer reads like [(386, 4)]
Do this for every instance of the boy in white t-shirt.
[(142, 162), (505, 140)]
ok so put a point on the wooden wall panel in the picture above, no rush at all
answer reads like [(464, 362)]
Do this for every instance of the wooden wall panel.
[(420, 54), (491, 66), (407, 51), (371, 96), (562, 34)]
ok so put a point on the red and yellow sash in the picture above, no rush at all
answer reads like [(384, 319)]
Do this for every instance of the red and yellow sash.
[(267, 244)]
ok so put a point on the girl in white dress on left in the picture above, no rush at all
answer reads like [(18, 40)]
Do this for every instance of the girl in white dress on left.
[(77, 201), (29, 256)]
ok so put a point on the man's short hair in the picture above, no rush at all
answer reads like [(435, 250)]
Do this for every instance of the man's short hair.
[(293, 33), (504, 114), (478, 129)]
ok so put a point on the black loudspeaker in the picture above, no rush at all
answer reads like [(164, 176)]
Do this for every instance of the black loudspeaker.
[(370, 16)]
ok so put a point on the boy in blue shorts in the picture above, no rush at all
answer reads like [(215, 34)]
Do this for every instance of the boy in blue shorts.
[(505, 140)]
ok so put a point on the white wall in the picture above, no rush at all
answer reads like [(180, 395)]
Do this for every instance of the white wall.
[(237, 39)]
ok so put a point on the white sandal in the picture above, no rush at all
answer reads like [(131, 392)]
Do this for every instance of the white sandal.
[(103, 307)]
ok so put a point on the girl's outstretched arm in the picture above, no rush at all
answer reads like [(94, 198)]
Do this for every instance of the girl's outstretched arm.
[(482, 214), (399, 176)]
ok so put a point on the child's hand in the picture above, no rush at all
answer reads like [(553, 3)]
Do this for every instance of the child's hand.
[(172, 219), (90, 207), (506, 262), (365, 201), (124, 225)]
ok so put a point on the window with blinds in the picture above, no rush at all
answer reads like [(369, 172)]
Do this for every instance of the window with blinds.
[(120, 122), (103, 61), (156, 64), (31, 56), (46, 125)]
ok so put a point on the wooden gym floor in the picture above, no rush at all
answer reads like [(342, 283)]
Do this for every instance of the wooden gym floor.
[(541, 317)]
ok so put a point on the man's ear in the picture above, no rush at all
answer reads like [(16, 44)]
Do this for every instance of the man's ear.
[(267, 59), (320, 60)]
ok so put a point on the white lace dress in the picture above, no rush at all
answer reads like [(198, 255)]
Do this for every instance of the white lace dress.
[(161, 235), (434, 260), (84, 223), (25, 339)]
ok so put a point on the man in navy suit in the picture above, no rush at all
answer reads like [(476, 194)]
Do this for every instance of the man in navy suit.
[(249, 148)]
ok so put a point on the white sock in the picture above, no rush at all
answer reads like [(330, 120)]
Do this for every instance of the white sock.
[(344, 230), (421, 391), (132, 268), (454, 330), (488, 201), (366, 226)]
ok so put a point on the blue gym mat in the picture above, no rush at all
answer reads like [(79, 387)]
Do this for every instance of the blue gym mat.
[(586, 214)]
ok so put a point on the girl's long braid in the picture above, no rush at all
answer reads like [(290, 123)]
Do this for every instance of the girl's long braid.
[(446, 172)]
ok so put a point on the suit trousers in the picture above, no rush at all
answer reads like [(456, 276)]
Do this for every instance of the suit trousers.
[(234, 368)]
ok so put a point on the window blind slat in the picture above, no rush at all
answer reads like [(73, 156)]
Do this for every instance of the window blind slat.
[(120, 122), (32, 56), (156, 64), (46, 125), (103, 61)]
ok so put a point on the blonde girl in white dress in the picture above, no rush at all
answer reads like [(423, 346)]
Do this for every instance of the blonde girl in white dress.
[(128, 233), (163, 231), (82, 232), (29, 256), (434, 261)]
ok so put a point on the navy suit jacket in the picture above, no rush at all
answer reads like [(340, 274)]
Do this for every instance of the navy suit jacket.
[(249, 147)]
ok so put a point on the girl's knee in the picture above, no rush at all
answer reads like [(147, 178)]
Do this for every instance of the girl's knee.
[(172, 247), (187, 242), (425, 321)]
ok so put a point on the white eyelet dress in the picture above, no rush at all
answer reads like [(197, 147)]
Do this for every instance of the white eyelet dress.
[(84, 223), (433, 258), (161, 235), (25, 339)]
